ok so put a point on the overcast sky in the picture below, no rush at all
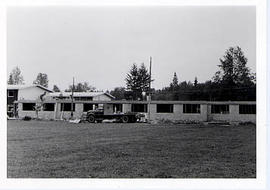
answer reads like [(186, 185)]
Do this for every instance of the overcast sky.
[(99, 44)]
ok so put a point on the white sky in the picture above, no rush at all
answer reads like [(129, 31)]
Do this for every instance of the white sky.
[(99, 44)]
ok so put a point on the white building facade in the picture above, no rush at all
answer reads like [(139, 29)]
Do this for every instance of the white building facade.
[(156, 111)]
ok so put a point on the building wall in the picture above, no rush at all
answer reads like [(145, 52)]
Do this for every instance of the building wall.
[(109, 109), (41, 114), (233, 115), (178, 114), (58, 114), (30, 93), (126, 108)]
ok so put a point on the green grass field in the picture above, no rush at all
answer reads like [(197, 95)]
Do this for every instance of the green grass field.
[(55, 149)]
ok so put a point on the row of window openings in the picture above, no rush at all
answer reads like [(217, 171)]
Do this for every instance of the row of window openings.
[(161, 108), (64, 107)]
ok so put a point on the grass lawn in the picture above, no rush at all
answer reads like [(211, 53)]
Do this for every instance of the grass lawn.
[(45, 149)]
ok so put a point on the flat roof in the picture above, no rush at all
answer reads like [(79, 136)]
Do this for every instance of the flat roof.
[(78, 94), (141, 102)]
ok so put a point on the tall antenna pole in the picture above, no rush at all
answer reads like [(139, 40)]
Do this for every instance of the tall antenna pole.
[(150, 78), (149, 95), (72, 98)]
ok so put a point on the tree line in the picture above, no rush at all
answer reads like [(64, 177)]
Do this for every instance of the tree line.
[(16, 78), (233, 81)]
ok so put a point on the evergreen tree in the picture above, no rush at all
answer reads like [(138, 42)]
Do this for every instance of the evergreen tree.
[(144, 78), (132, 78), (174, 84), (195, 81), (138, 80)]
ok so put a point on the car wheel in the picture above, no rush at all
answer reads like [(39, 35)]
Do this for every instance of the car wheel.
[(125, 119), (91, 119)]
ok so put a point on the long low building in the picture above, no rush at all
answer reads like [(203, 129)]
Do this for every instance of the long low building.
[(177, 111)]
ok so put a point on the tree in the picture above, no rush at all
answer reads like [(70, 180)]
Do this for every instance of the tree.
[(56, 89), (81, 87), (174, 84), (132, 79), (196, 82), (10, 79), (42, 79), (15, 77), (138, 80), (233, 70), (119, 93), (144, 78)]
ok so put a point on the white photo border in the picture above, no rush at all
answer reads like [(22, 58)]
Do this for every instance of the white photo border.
[(261, 128)]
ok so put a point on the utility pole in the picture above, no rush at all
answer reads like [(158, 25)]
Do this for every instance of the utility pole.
[(72, 99), (150, 78), (149, 91)]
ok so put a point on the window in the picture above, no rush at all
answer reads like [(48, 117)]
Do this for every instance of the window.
[(48, 107), (164, 108), (220, 109), (191, 108), (139, 108), (117, 108), (247, 109), (87, 107), (67, 107), (11, 93), (28, 106)]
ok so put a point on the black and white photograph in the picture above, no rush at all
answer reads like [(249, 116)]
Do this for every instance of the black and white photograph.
[(131, 92)]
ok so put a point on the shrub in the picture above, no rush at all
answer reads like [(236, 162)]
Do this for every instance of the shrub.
[(26, 118)]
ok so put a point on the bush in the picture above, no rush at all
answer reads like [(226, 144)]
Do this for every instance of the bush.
[(26, 118), (247, 123)]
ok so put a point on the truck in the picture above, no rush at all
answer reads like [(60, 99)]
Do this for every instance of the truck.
[(109, 112)]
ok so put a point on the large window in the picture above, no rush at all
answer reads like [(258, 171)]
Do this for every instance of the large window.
[(117, 108), (139, 108), (191, 108), (11, 93), (67, 107), (28, 106), (87, 107), (48, 107), (220, 109), (164, 108), (247, 109)]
